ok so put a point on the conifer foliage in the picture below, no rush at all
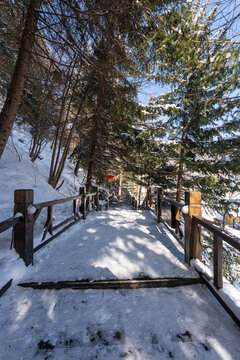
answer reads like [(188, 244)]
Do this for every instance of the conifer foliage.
[(202, 70), (72, 75)]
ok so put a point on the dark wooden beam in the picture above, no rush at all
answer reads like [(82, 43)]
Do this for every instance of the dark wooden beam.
[(114, 284), (5, 287), (220, 233), (7, 224)]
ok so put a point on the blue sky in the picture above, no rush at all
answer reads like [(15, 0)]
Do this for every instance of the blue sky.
[(150, 89)]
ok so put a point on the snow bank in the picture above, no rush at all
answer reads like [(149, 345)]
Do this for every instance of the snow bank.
[(228, 293)]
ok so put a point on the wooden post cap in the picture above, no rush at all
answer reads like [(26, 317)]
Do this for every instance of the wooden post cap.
[(23, 196)]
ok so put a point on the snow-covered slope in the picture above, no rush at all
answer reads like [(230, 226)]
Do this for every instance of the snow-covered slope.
[(18, 172)]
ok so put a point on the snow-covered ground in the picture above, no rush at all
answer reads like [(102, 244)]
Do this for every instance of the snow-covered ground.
[(178, 323)]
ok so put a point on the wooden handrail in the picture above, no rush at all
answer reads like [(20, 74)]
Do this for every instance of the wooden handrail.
[(7, 224), (220, 233), (55, 202), (193, 221), (173, 202)]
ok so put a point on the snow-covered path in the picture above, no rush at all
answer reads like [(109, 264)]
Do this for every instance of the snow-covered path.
[(178, 323), (121, 243)]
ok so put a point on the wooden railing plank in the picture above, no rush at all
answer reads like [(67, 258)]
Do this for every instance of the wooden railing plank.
[(55, 202), (229, 238), (7, 224)]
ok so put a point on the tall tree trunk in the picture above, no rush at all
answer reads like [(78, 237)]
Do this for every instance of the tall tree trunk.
[(181, 161), (91, 163), (180, 176), (62, 161), (35, 141), (58, 129), (138, 191), (14, 94), (120, 185), (77, 167)]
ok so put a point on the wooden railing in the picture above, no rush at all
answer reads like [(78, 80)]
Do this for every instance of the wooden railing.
[(26, 214), (190, 212), (219, 236), (7, 224)]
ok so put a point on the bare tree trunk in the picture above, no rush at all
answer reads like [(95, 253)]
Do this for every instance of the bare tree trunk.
[(62, 161), (14, 94), (61, 138), (57, 135), (60, 131), (38, 149), (35, 141)]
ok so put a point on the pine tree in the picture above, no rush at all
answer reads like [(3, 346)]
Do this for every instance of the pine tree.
[(203, 71), (109, 110)]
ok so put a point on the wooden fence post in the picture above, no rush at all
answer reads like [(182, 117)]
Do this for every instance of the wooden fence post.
[(175, 217), (218, 261), (160, 193), (135, 204), (84, 198), (132, 202), (106, 204), (50, 219), (77, 206), (23, 231), (192, 243)]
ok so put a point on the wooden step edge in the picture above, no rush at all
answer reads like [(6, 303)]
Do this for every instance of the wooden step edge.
[(114, 284)]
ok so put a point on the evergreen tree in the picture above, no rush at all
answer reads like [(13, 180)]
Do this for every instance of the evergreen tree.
[(147, 160), (203, 71), (110, 107)]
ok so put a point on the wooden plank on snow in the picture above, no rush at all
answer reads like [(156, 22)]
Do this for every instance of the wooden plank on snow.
[(114, 284)]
